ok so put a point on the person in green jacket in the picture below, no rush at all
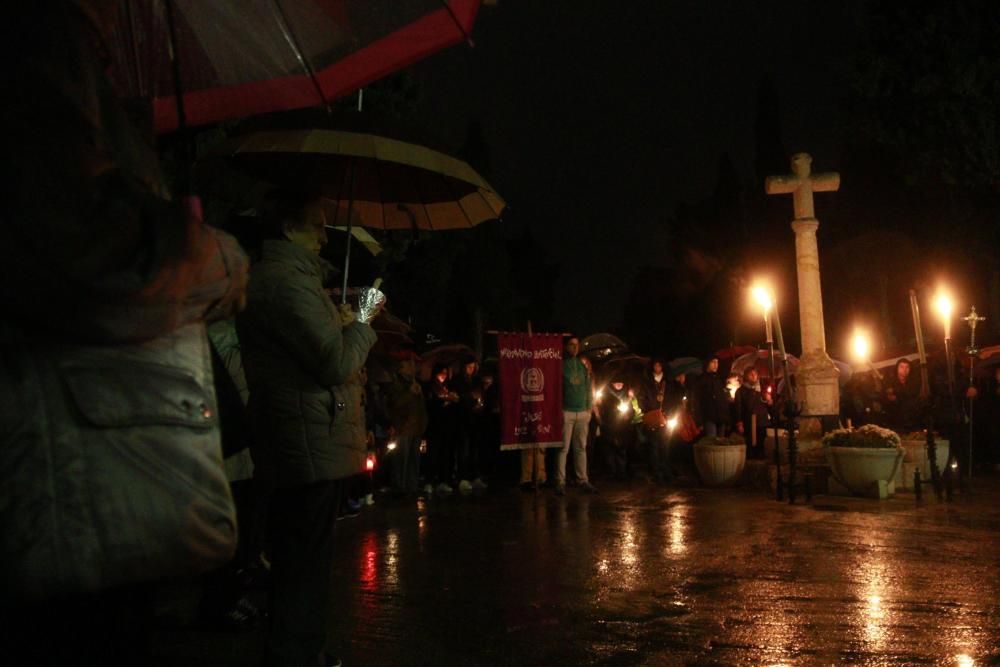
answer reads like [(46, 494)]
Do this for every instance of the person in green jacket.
[(577, 394)]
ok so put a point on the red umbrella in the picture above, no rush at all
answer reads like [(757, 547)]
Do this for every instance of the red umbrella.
[(733, 352), (248, 57), (760, 360)]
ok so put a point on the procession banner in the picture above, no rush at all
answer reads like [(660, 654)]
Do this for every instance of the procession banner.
[(530, 390)]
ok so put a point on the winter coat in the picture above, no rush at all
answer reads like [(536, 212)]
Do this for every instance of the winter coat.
[(295, 354), (406, 410), (110, 462), (711, 399), (349, 431), (749, 402)]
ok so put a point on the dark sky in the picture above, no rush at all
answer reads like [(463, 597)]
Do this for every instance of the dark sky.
[(601, 116)]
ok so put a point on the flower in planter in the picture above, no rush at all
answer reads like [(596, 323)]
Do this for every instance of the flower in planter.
[(868, 436), (731, 440)]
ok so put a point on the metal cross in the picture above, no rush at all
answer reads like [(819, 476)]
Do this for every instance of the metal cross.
[(972, 319)]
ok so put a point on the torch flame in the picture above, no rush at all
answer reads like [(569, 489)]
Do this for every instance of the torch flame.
[(763, 297)]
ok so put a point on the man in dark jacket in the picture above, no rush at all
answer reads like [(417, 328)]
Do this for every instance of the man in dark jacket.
[(902, 398), (712, 400), (654, 397), (299, 351)]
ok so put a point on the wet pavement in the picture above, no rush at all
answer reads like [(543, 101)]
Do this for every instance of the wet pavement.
[(643, 575)]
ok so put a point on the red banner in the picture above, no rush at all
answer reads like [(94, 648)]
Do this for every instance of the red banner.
[(530, 390)]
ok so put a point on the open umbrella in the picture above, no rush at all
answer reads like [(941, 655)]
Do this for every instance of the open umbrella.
[(629, 367), (368, 180), (396, 185), (601, 346), (391, 333), (987, 360), (761, 361), (685, 365), (238, 58), (733, 352), (448, 354)]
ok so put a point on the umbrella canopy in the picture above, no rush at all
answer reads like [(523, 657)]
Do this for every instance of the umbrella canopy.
[(629, 367), (600, 346), (387, 184), (845, 372), (760, 360), (450, 355), (241, 58), (987, 361), (362, 236), (733, 352), (391, 333), (685, 365)]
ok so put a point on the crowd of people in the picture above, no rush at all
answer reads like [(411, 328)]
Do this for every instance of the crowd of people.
[(150, 377)]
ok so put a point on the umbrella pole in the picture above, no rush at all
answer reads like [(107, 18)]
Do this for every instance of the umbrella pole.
[(187, 141), (350, 220)]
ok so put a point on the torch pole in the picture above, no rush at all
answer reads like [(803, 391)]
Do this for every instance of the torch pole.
[(925, 398), (778, 486), (972, 319)]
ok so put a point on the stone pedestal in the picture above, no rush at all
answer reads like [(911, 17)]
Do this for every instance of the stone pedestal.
[(817, 375)]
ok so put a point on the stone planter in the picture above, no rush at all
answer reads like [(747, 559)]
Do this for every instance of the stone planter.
[(915, 458), (719, 465), (864, 471)]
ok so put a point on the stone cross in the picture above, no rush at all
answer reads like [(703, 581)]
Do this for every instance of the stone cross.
[(817, 375), (802, 184)]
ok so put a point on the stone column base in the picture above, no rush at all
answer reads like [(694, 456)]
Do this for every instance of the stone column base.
[(817, 387)]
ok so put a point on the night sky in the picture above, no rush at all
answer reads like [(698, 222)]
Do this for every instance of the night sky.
[(601, 117)]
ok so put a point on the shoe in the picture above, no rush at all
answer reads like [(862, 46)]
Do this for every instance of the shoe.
[(464, 487), (332, 661), (527, 487), (587, 487), (560, 489), (443, 489), (428, 490), (369, 499), (478, 484)]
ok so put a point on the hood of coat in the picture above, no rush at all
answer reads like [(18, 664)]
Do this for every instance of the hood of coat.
[(297, 257)]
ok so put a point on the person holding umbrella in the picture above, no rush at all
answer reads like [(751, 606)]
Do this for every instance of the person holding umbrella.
[(300, 352)]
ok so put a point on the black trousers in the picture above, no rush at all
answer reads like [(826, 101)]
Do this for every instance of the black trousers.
[(301, 525)]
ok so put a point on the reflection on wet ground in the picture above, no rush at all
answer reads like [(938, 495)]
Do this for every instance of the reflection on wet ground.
[(643, 576), (639, 575)]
